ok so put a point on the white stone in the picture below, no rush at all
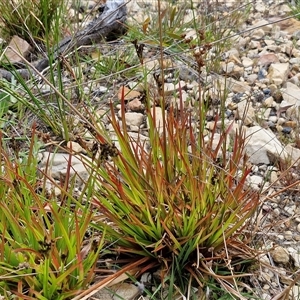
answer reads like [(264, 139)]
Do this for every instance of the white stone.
[(291, 94), (262, 144), (288, 235), (268, 102), (296, 257), (232, 85), (245, 112), (273, 119), (74, 146), (247, 62), (266, 296), (258, 34), (134, 119), (293, 154), (157, 115), (295, 292), (278, 72), (255, 181), (252, 78), (56, 165), (260, 7), (273, 177)]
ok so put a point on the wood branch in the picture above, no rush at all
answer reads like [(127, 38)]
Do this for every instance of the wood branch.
[(110, 21)]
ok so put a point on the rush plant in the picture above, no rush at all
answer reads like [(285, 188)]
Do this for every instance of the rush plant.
[(29, 19), (44, 250), (179, 198)]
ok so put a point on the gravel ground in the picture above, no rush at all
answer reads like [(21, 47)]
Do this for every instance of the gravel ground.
[(262, 73)]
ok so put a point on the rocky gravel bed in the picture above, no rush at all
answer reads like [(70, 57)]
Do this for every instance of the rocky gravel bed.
[(261, 72)]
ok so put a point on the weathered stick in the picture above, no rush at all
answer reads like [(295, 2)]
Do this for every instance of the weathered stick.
[(110, 21)]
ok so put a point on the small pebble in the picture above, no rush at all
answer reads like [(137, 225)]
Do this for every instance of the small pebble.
[(288, 235), (286, 130)]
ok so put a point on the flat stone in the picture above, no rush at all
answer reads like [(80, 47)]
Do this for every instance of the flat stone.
[(75, 147), (258, 34), (264, 25), (291, 94), (128, 93), (56, 165), (252, 78), (18, 45), (262, 146), (233, 85), (125, 291), (267, 59)]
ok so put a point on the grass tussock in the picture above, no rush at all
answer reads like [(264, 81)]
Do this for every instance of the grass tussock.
[(175, 203), (30, 19), (45, 251)]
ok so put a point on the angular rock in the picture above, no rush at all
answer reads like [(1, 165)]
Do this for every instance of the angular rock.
[(255, 181), (232, 84), (19, 45), (262, 146), (258, 34), (278, 72), (247, 62), (293, 154), (75, 147), (267, 59), (291, 94), (134, 119), (56, 166), (245, 112)]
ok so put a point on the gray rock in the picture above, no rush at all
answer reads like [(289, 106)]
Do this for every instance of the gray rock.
[(56, 166)]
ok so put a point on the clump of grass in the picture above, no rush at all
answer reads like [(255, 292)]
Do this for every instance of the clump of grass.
[(295, 8), (29, 19), (44, 253), (180, 202)]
